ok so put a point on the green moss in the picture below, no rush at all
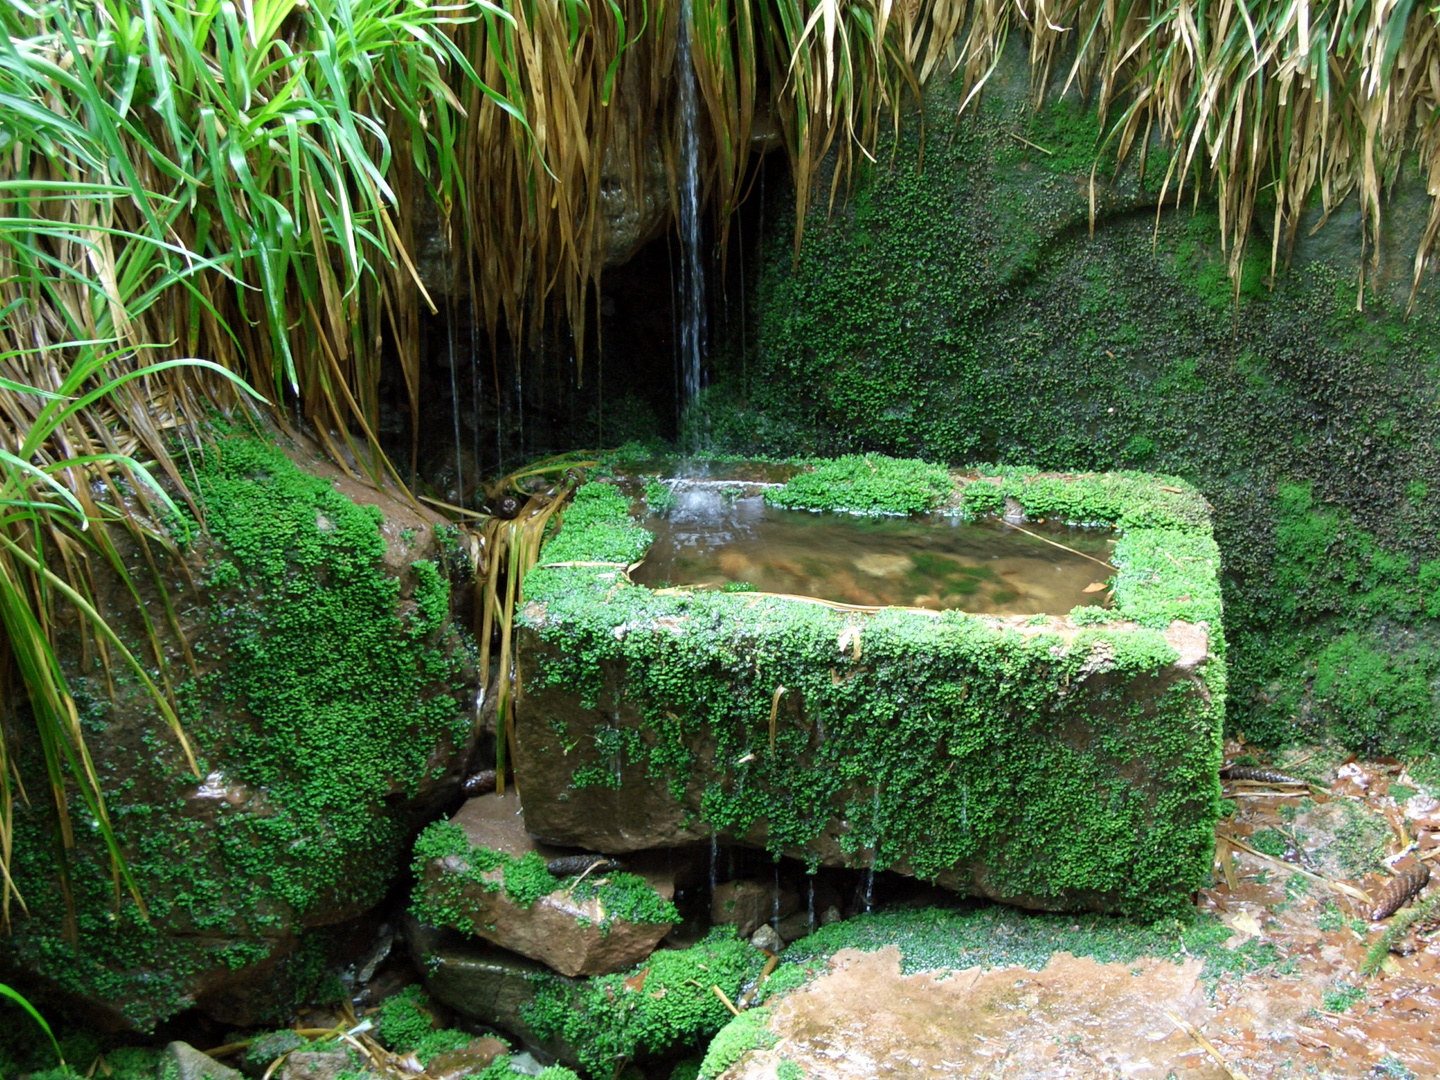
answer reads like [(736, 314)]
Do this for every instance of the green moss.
[(441, 901), (610, 1022), (1360, 841), (432, 597), (1071, 138), (788, 1070), (628, 897), (405, 1020), (942, 745), (949, 939), (1270, 841), (748, 1031), (870, 484), (440, 1042), (1341, 996), (132, 1063)]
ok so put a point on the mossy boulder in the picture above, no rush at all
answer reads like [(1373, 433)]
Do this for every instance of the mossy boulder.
[(327, 695), (1054, 761), (482, 874)]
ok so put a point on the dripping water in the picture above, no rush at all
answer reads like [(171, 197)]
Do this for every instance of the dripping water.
[(874, 851), (692, 280), (454, 401), (519, 403), (714, 857), (775, 899), (474, 388), (810, 883)]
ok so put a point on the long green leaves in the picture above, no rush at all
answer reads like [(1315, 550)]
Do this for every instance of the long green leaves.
[(62, 482)]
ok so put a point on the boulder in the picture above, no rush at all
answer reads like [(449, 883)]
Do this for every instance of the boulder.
[(317, 1064), (490, 887), (181, 1061), (328, 697), (489, 985), (767, 939)]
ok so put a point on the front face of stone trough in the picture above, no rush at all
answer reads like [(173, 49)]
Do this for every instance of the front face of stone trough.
[(1056, 761)]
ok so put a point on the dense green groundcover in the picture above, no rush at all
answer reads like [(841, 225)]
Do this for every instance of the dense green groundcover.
[(940, 740), (316, 694), (962, 311)]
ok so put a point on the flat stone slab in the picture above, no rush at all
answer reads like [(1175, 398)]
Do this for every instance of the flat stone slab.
[(487, 886), (1056, 761), (1076, 1019)]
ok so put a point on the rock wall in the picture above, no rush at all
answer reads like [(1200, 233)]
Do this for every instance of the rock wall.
[(328, 699), (957, 307)]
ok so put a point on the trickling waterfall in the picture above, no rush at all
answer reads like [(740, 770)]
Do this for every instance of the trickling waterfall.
[(692, 277), (454, 403), (775, 899)]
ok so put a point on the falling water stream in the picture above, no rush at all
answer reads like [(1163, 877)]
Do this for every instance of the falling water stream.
[(775, 899), (692, 278), (454, 404)]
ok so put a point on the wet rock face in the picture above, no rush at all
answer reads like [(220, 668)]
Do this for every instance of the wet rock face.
[(747, 905), (568, 928), (323, 693)]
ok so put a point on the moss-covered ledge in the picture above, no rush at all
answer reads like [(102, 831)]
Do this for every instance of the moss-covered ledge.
[(1054, 761)]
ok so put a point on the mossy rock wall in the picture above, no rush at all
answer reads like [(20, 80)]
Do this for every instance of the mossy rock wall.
[(1053, 762), (324, 693), (963, 312)]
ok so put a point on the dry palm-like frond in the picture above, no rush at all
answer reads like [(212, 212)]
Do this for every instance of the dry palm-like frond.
[(505, 551), (1288, 97)]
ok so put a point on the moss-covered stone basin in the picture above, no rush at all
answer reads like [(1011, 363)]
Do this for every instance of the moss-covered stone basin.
[(1066, 760)]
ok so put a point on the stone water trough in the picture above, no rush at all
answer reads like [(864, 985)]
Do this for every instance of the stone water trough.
[(1057, 760)]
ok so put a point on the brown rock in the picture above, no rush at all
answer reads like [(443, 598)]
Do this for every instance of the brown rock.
[(316, 1065), (492, 986), (181, 1061), (1074, 1018), (745, 905), (572, 936), (471, 1058)]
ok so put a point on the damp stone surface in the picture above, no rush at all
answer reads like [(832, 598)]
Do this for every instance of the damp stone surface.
[(1058, 761)]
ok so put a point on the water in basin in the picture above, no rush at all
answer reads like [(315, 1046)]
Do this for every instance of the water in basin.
[(710, 538)]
